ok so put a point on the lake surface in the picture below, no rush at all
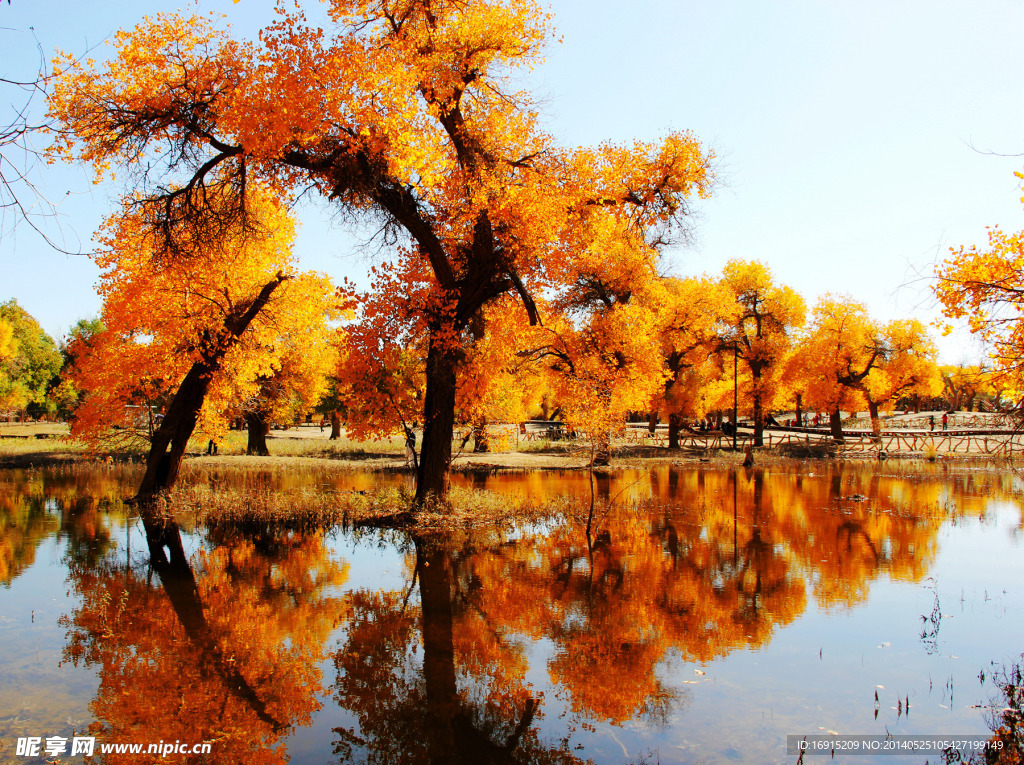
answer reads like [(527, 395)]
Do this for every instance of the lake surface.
[(711, 614)]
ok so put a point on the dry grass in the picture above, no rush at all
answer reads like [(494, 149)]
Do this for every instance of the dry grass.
[(471, 508), (307, 507), (37, 443), (307, 442)]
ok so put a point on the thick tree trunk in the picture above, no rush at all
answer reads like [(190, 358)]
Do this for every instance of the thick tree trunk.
[(836, 424), (335, 425), (175, 430), (799, 410), (876, 423), (438, 422), (652, 423), (674, 426), (258, 425), (602, 449)]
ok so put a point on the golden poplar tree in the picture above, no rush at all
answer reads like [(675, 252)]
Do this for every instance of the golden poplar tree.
[(402, 114)]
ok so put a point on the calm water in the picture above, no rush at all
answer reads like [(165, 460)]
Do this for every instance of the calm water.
[(711, 614)]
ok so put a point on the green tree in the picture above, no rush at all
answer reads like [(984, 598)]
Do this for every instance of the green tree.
[(30, 364), (64, 395)]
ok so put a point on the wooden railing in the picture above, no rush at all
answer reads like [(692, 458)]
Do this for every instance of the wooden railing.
[(995, 442)]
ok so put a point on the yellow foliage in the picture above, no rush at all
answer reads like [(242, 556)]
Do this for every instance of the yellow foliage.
[(986, 288), (161, 312), (848, 361)]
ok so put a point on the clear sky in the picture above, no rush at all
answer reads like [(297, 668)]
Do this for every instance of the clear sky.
[(856, 142)]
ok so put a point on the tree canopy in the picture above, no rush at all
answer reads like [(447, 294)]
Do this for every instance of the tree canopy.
[(986, 287), (404, 115), (167, 317)]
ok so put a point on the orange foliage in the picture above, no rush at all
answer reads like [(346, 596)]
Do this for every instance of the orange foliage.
[(404, 115), (849, 361), (766, 318), (233, 662), (161, 311), (984, 287)]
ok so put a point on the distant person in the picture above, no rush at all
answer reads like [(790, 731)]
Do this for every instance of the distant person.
[(945, 420), (931, 422)]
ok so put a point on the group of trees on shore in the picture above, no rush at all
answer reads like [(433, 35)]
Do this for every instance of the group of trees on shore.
[(515, 274)]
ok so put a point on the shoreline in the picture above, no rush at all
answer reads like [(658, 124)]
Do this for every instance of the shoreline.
[(628, 457)]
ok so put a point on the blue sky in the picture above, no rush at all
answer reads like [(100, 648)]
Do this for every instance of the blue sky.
[(856, 142)]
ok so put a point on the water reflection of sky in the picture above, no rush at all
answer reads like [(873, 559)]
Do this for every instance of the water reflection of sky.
[(713, 613)]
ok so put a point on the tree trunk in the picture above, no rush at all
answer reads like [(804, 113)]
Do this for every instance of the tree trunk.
[(652, 423), (175, 429), (758, 416), (480, 442), (876, 423), (258, 425), (438, 422), (602, 449), (674, 426), (917, 404), (799, 410), (335, 425), (182, 413), (836, 423)]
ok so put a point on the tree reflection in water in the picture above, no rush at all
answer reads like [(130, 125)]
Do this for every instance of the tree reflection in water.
[(226, 646), (466, 701), (720, 568), (225, 650), (36, 504)]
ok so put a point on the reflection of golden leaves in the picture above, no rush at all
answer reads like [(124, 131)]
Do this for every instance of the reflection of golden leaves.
[(34, 505), (235, 661), (690, 572)]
